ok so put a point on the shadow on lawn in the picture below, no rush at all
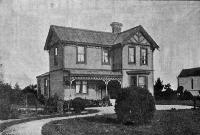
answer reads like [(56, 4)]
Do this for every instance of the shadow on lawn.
[(106, 119)]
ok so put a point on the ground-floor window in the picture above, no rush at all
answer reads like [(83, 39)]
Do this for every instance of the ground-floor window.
[(81, 87), (45, 87), (140, 81)]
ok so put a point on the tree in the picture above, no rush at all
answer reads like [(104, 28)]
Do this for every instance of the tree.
[(158, 87), (16, 95), (168, 93), (30, 95), (16, 87), (30, 89), (180, 90), (5, 105)]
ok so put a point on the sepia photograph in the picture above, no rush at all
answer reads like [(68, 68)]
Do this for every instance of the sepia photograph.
[(99, 67)]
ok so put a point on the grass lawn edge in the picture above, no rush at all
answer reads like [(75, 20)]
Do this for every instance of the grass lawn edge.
[(5, 125)]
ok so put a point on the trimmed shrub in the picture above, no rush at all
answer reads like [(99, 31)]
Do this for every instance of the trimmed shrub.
[(134, 105), (78, 104), (187, 95), (106, 101), (14, 113), (67, 105), (4, 111), (51, 105), (41, 99)]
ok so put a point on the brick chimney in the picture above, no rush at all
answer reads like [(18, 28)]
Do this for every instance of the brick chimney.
[(116, 27)]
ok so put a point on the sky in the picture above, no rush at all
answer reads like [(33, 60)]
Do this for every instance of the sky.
[(24, 25)]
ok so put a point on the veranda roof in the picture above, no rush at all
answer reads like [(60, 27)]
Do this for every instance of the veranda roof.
[(74, 72)]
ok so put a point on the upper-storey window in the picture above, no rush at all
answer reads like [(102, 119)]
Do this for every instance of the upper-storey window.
[(56, 56), (131, 55), (81, 53), (105, 56), (143, 56)]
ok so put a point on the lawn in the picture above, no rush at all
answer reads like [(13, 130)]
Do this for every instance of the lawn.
[(173, 122), (176, 102)]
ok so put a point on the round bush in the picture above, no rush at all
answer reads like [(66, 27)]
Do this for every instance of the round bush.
[(134, 105), (78, 104), (51, 105), (4, 111)]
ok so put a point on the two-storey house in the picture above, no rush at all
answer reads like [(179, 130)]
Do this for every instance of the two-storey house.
[(93, 64)]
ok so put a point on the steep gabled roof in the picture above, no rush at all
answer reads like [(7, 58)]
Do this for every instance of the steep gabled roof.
[(74, 35), (190, 72), (125, 35)]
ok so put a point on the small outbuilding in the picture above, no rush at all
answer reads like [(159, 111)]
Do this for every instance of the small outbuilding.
[(190, 80)]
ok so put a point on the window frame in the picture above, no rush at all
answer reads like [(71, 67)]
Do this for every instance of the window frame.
[(84, 55), (192, 83), (102, 56), (81, 87), (55, 53), (145, 81), (142, 48), (135, 79), (130, 62), (45, 87), (39, 87)]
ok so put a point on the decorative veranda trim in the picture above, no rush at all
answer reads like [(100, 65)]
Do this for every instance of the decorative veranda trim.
[(105, 79)]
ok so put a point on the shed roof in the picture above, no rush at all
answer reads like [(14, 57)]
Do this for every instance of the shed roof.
[(190, 72)]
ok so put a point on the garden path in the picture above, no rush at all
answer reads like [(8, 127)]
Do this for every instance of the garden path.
[(35, 127)]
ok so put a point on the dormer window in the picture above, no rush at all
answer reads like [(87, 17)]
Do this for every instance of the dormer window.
[(143, 56), (56, 56), (105, 56), (81, 54)]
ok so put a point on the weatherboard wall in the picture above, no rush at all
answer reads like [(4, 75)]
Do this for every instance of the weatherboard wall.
[(186, 82), (93, 58)]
